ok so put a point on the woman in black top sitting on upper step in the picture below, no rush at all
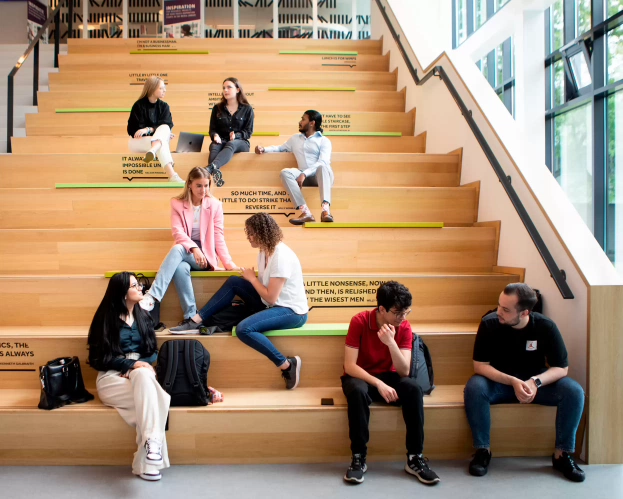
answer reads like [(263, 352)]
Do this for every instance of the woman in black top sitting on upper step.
[(231, 127), (150, 124)]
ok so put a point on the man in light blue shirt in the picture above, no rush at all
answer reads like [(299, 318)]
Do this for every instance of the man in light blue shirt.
[(313, 156)]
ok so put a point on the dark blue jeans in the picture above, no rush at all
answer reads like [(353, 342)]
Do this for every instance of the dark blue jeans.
[(264, 319), (566, 394)]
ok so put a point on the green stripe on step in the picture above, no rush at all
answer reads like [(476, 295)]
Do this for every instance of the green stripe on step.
[(364, 134), (124, 185), (315, 52), (169, 52), (94, 110), (374, 225), (309, 330), (193, 273), (312, 89)]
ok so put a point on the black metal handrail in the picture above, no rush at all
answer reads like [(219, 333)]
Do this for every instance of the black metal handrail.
[(557, 274), (55, 16)]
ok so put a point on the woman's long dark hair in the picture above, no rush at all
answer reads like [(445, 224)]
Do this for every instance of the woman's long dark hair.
[(240, 96), (104, 331)]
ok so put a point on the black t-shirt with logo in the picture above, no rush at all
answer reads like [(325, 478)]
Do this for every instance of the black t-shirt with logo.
[(521, 353)]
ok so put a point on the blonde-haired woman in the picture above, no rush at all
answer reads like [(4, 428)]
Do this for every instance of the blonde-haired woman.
[(198, 230), (150, 124)]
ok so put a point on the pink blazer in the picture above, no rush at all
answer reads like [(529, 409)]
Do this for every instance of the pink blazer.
[(211, 230)]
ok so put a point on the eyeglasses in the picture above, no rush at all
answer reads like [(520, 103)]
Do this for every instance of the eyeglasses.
[(138, 286), (401, 315)]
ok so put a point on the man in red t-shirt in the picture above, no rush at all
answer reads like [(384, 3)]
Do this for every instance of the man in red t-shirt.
[(377, 359)]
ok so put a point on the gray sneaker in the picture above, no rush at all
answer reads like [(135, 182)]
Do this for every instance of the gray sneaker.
[(187, 326), (292, 375)]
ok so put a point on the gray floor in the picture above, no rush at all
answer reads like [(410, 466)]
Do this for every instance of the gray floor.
[(507, 478)]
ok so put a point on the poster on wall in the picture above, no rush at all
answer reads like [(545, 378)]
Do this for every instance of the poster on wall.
[(182, 18), (37, 15)]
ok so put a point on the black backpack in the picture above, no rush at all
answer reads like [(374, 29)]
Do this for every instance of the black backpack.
[(228, 318), (182, 371), (422, 366)]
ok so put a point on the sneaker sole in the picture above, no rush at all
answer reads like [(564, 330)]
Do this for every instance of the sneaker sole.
[(187, 331), (150, 478), (426, 482), (152, 462), (298, 372), (478, 473), (352, 480)]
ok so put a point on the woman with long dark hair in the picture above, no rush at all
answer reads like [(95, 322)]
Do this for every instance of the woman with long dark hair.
[(197, 224), (150, 124), (276, 296), (231, 127), (122, 346)]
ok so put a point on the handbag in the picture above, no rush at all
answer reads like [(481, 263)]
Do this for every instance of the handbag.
[(62, 384)]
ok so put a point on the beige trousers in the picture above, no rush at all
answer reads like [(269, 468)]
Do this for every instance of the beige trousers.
[(143, 144), (142, 403)]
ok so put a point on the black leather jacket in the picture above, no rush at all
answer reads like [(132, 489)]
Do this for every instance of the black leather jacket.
[(145, 114)]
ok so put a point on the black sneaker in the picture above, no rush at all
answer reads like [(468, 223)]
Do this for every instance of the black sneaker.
[(292, 374), (569, 468), (217, 176), (357, 468), (187, 326), (478, 466), (418, 467)]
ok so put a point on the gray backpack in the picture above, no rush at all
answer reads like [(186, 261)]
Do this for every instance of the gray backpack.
[(422, 366)]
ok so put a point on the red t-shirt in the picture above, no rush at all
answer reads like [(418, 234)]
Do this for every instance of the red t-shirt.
[(374, 356)]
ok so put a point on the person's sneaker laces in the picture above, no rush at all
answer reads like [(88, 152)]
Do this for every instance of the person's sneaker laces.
[(152, 476), (292, 375), (187, 325), (147, 302), (357, 468), (567, 465), (480, 462), (217, 176), (153, 452), (417, 465)]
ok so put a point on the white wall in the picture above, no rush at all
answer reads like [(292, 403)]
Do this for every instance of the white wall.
[(13, 22), (447, 130)]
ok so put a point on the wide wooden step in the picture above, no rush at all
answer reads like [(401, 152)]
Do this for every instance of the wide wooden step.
[(274, 62), (112, 46), (350, 169), (207, 79), (241, 431), (150, 208), (70, 300), (281, 122), (86, 251), (106, 145), (25, 349), (262, 101)]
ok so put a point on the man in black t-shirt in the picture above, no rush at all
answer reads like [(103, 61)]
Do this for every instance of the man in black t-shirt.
[(520, 357)]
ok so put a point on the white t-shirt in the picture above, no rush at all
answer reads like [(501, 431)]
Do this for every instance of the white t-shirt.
[(284, 263), (196, 231)]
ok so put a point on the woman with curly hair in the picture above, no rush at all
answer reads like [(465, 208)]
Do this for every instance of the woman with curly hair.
[(276, 296)]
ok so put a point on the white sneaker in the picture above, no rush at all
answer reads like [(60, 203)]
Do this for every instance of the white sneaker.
[(153, 452), (147, 303), (152, 476), (176, 178)]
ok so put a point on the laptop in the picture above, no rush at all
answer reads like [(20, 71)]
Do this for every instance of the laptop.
[(189, 142)]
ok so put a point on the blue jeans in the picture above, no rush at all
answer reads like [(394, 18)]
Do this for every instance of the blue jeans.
[(176, 266), (480, 393), (263, 319)]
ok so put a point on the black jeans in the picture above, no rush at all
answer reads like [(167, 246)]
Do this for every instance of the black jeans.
[(221, 154), (360, 395)]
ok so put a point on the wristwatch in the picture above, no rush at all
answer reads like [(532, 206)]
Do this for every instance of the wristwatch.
[(537, 381)]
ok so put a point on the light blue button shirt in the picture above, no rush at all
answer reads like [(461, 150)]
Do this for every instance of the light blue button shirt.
[(310, 153)]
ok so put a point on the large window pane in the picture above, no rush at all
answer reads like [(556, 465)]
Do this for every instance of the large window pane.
[(500, 3), (573, 164), (480, 6), (583, 14), (461, 21), (615, 54), (559, 83), (614, 6), (558, 24), (614, 181), (499, 65)]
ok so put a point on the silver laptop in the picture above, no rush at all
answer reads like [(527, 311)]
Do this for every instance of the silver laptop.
[(189, 142)]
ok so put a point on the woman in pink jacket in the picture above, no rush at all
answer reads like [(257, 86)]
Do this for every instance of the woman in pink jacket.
[(198, 230)]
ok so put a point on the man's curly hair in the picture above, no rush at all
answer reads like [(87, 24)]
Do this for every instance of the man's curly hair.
[(265, 230)]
